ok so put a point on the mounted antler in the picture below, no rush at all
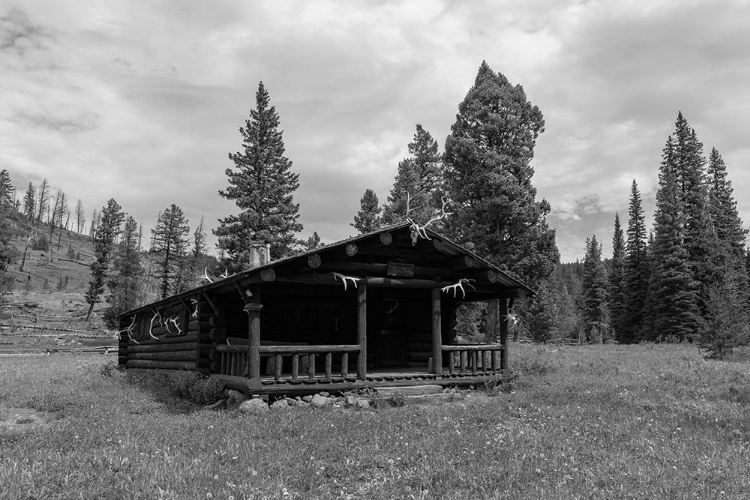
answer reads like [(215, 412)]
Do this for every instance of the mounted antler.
[(343, 278), (195, 313), (205, 275), (420, 231), (129, 331), (151, 324), (173, 320), (459, 286)]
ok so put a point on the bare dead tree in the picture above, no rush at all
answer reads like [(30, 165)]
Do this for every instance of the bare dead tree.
[(80, 217), (43, 195)]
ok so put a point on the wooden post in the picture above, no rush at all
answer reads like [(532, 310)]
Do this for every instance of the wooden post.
[(504, 333), (344, 365), (437, 337), (253, 315), (362, 330)]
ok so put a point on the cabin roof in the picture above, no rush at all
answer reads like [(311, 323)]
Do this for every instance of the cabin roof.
[(436, 255)]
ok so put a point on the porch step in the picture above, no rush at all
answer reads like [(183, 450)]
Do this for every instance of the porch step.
[(410, 390)]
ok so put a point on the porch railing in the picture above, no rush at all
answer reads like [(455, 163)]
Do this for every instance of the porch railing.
[(235, 360), (473, 359)]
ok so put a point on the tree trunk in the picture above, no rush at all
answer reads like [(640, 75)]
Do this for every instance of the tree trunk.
[(88, 314)]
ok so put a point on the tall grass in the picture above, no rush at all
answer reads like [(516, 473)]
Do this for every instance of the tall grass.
[(578, 422)]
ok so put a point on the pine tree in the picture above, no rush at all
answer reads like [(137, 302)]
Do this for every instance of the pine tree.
[(635, 280), (29, 202), (125, 285), (488, 175), (110, 220), (616, 295), (419, 178), (262, 185), (728, 321), (313, 242), (688, 165), (170, 240), (726, 221), (6, 190), (595, 313), (368, 217), (673, 294)]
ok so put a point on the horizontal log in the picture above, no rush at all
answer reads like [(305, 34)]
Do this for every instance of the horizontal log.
[(190, 337), (291, 349), (198, 326), (158, 330), (198, 349), (217, 321), (217, 334), (164, 356), (161, 365), (473, 347)]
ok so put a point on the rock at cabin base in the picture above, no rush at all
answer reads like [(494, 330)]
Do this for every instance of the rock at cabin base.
[(307, 399), (254, 407), (319, 401), (280, 405), (362, 403), (350, 400), (235, 397)]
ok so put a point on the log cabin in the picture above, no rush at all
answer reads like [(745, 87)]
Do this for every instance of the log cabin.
[(378, 309)]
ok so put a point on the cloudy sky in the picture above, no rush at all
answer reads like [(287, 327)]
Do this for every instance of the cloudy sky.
[(142, 101)]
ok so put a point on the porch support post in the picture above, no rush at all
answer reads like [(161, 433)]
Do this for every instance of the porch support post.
[(253, 313), (437, 331), (362, 330), (504, 333)]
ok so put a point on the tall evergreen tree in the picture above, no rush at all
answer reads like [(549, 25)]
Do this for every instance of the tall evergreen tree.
[(595, 313), (688, 165), (368, 218), (110, 222), (419, 178), (262, 185), (29, 202), (125, 284), (616, 295), (635, 281), (170, 240), (673, 294), (6, 189), (488, 174), (725, 219)]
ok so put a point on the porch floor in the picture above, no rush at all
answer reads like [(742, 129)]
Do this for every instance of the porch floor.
[(378, 377)]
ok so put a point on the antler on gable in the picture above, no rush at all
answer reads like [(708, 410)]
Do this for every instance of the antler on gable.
[(420, 231), (205, 275)]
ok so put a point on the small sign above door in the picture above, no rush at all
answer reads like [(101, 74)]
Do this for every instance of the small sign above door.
[(400, 270)]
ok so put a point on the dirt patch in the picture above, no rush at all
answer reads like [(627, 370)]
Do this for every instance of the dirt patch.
[(14, 420)]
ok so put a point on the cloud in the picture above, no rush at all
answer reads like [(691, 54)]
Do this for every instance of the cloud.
[(142, 102)]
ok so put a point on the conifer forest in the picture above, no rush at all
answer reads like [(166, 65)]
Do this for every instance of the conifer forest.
[(684, 278)]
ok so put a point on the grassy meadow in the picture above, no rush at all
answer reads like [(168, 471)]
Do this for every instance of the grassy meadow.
[(648, 421)]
